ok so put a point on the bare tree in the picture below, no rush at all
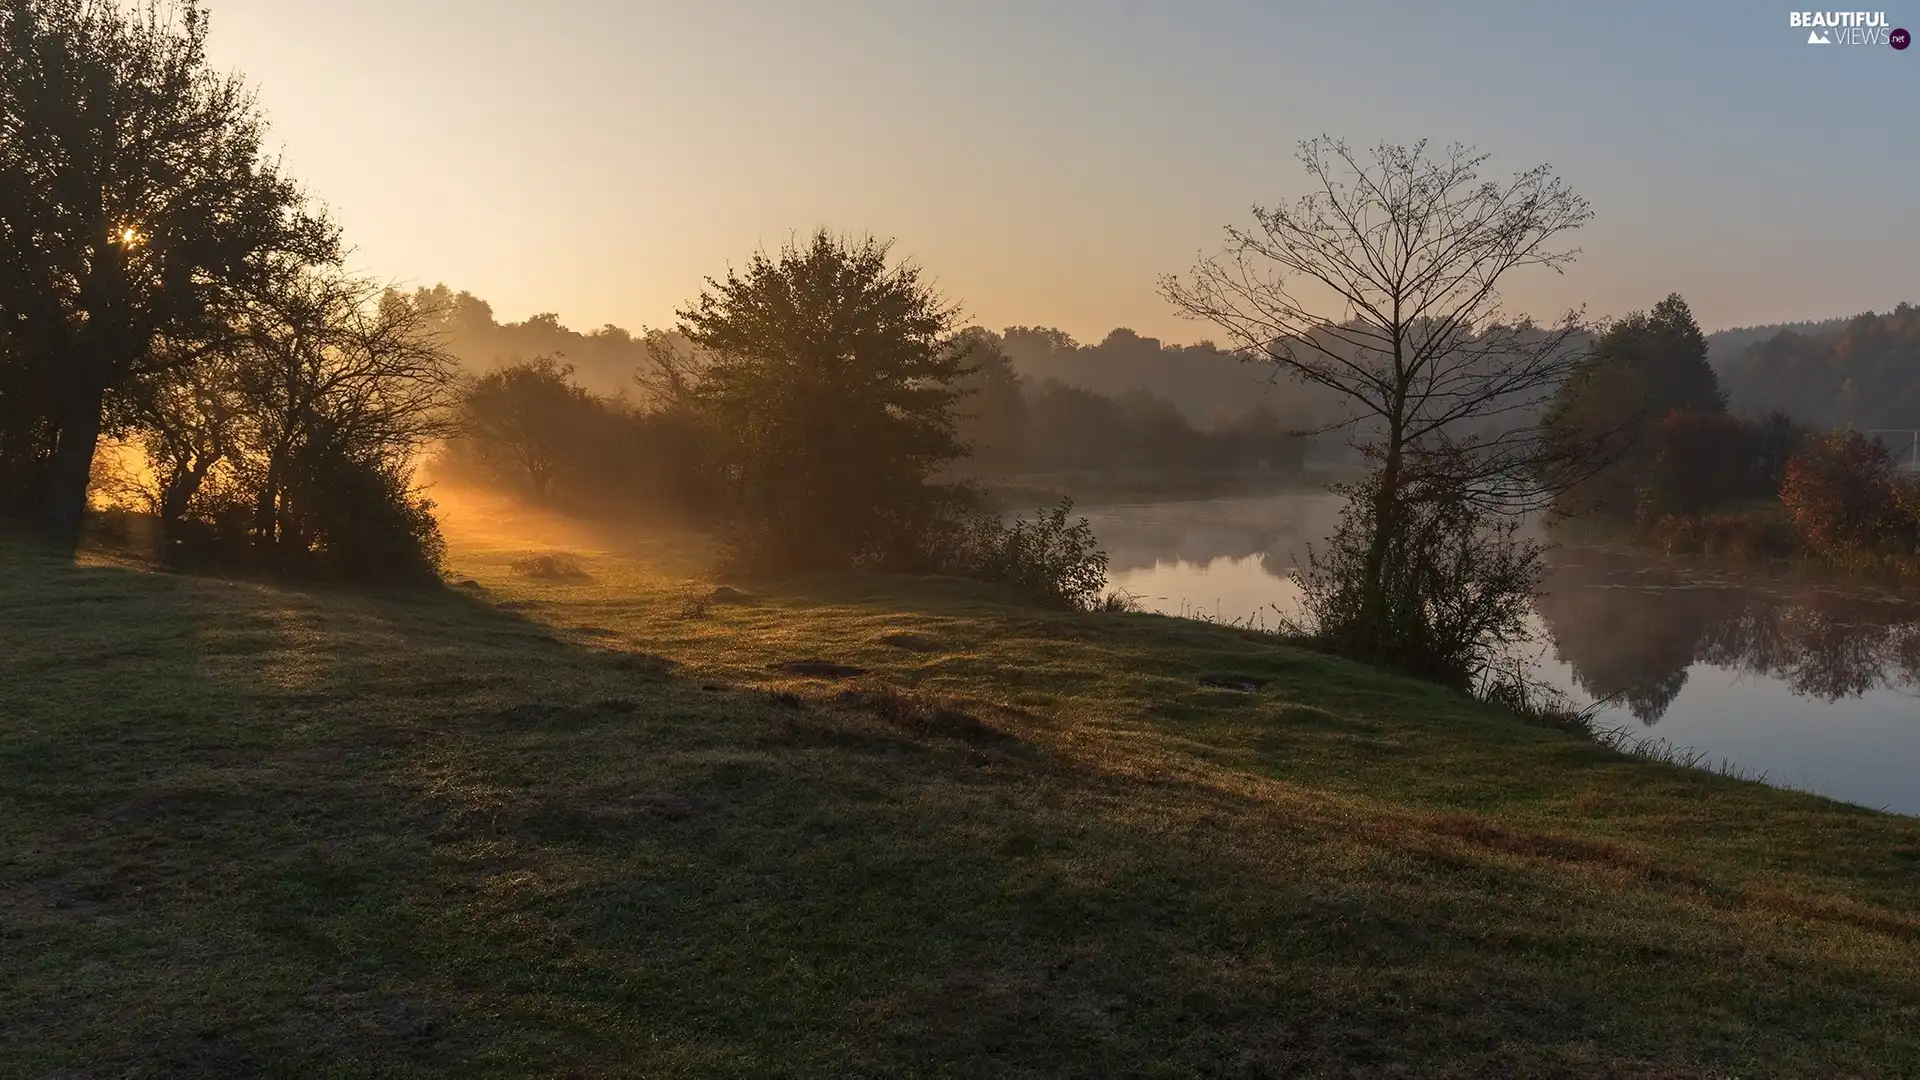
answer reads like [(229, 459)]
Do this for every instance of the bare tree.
[(329, 359), (1382, 286)]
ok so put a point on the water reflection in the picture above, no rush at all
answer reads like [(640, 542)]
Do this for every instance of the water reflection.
[(1272, 530), (1816, 685), (1628, 626)]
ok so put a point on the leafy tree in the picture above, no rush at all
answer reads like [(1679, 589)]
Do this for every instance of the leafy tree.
[(291, 446), (1844, 495), (1641, 369), (1669, 350), (528, 421), (831, 382), (334, 360), (135, 204)]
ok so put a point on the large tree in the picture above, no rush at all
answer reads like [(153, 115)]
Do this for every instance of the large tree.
[(1381, 287), (1641, 369), (829, 379), (135, 204)]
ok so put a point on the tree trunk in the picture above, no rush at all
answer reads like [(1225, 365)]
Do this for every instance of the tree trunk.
[(1386, 520), (72, 466), (179, 493)]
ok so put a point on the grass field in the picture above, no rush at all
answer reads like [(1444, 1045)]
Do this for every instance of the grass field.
[(599, 822)]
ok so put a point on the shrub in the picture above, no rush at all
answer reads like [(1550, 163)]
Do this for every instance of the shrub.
[(1457, 588), (357, 518), (1844, 497), (1047, 558), (552, 566)]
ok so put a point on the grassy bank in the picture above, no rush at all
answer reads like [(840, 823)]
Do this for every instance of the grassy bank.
[(602, 820)]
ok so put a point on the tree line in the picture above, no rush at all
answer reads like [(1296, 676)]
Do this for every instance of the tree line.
[(534, 428), (1685, 470), (1861, 372)]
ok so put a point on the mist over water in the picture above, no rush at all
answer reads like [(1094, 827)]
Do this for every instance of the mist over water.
[(1816, 685)]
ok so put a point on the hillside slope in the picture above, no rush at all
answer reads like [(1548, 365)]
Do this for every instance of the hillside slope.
[(589, 824)]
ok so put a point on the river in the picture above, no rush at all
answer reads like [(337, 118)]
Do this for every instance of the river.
[(1812, 684)]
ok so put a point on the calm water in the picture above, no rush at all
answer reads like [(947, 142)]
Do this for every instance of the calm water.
[(1816, 685)]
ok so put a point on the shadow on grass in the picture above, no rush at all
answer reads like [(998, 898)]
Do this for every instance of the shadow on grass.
[(260, 828)]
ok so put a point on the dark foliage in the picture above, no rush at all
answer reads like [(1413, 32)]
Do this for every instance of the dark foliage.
[(135, 205), (1457, 585), (1863, 371), (828, 380), (1697, 461), (1641, 369), (352, 515), (287, 446)]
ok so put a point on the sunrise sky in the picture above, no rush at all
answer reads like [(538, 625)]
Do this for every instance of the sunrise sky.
[(1047, 160)]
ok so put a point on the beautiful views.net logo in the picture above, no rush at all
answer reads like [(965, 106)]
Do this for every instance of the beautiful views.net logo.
[(1848, 28)]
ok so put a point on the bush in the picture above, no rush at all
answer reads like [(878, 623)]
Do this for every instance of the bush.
[(1047, 558), (552, 566), (1457, 586), (1698, 460), (352, 517), (1845, 498)]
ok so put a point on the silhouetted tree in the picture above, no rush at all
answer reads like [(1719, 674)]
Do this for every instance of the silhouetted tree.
[(135, 204), (1409, 250), (830, 385), (528, 422)]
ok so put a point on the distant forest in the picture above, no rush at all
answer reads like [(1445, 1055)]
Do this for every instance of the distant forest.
[(1039, 402), (1208, 386), (1862, 372)]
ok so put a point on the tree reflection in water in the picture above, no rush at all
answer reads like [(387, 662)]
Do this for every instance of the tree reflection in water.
[(1631, 627)]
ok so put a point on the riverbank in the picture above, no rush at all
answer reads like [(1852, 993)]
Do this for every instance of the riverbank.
[(1757, 533), (612, 820)]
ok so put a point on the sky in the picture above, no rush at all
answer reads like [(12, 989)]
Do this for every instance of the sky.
[(1047, 161)]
